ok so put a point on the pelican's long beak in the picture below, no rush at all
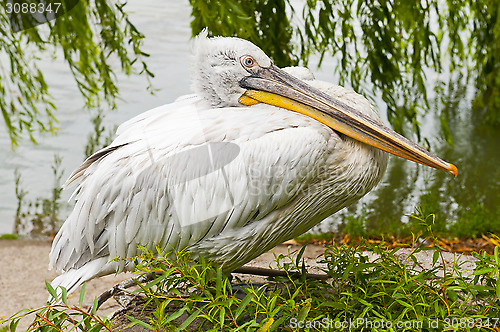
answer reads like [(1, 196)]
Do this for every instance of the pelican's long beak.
[(274, 86)]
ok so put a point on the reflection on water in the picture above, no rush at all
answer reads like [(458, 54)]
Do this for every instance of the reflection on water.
[(167, 28), (476, 193), (41, 217), (467, 205), (470, 200)]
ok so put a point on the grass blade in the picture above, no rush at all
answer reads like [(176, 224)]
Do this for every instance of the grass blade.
[(82, 294), (244, 303), (50, 289)]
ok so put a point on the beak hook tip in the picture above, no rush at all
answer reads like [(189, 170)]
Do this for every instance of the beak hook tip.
[(453, 170)]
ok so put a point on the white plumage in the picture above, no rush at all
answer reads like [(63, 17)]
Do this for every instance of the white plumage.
[(207, 173)]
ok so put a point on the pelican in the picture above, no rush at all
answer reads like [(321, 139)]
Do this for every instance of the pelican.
[(256, 156)]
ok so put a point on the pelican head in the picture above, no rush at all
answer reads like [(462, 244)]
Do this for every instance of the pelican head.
[(219, 70), (233, 71)]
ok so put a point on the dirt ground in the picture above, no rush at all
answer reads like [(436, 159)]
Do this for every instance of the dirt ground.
[(24, 263), (23, 271)]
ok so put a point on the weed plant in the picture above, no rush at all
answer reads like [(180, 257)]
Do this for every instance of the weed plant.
[(100, 137), (386, 293), (41, 216)]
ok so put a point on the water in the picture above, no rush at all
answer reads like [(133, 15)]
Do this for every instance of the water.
[(168, 42), (168, 35)]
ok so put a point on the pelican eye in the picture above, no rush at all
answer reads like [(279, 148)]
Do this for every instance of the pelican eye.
[(248, 61)]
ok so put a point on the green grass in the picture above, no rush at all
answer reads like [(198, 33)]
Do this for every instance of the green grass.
[(471, 222), (9, 237), (476, 220), (384, 291)]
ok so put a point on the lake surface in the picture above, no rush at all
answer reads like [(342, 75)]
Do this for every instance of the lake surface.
[(167, 39)]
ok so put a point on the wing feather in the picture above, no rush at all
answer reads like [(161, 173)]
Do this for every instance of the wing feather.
[(166, 180)]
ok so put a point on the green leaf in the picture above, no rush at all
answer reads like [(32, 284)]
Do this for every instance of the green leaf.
[(435, 257), (94, 306), (452, 294), (96, 328), (278, 323), (272, 300), (333, 304), (154, 282), (244, 303), (368, 305), (139, 322), (304, 311), (188, 321), (176, 314), (64, 295), (498, 284), (484, 270), (82, 294), (403, 303), (267, 325), (13, 324), (219, 282), (222, 315), (300, 255), (51, 290)]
